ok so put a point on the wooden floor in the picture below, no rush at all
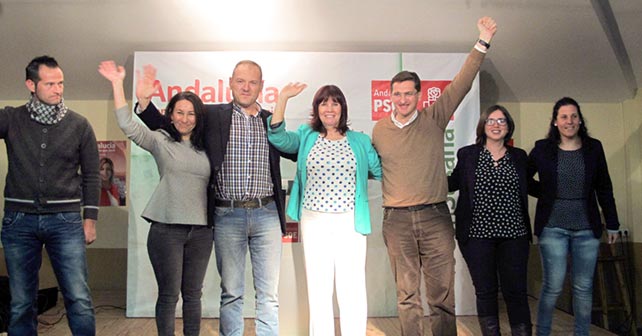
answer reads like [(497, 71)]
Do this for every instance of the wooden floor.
[(111, 321)]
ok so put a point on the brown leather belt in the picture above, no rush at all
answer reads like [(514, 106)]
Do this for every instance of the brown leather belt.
[(249, 204)]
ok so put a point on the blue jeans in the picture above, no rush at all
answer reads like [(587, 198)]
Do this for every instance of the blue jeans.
[(179, 256), (62, 234), (555, 245), (236, 230)]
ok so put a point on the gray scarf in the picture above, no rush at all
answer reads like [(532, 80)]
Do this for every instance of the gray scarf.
[(44, 113)]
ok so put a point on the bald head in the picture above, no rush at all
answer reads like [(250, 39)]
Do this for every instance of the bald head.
[(248, 63), (246, 84)]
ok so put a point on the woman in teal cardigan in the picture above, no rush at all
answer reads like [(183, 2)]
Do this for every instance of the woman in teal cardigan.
[(330, 200)]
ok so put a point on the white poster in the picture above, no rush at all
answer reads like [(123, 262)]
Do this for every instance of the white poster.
[(357, 74)]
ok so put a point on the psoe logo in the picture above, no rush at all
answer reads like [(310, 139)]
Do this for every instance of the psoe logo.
[(382, 105)]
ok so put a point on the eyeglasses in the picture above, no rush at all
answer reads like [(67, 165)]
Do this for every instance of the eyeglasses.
[(499, 121), (408, 94)]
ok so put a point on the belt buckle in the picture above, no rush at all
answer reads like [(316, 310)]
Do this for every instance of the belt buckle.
[(416, 207), (253, 203), (250, 204)]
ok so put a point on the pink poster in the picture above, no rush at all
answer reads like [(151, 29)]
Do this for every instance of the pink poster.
[(113, 171)]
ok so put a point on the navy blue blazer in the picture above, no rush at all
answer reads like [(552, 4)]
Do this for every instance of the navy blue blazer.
[(218, 120), (463, 179), (597, 184)]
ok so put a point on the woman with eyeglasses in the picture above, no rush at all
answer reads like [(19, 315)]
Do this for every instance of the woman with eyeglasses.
[(492, 224), (573, 179)]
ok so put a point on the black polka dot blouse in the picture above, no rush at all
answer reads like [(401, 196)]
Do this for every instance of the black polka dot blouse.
[(497, 209)]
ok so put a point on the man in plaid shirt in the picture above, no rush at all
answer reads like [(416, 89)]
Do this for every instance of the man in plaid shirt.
[(246, 201)]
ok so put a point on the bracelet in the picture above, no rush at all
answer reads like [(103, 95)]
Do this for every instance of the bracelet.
[(484, 43)]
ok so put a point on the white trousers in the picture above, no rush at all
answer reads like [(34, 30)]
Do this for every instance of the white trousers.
[(334, 252)]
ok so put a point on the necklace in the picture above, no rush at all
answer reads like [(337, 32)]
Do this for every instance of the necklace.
[(499, 155)]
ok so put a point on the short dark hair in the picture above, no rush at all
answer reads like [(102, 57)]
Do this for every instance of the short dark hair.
[(323, 94), (481, 124), (197, 136), (406, 76), (554, 133), (31, 71)]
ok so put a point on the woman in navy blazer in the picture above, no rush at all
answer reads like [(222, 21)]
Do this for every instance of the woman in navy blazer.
[(492, 224), (573, 178)]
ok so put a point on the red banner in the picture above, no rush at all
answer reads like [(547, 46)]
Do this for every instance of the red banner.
[(382, 105)]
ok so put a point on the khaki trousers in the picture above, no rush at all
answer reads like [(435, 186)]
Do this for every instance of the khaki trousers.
[(421, 241)]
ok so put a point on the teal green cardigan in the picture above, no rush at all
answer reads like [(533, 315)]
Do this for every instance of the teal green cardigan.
[(368, 164)]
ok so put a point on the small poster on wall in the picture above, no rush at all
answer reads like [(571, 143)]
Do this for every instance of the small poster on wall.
[(113, 172)]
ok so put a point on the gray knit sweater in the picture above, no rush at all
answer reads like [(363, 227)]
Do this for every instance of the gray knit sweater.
[(181, 194), (52, 168)]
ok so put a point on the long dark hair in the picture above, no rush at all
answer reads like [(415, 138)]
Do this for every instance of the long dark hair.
[(197, 136), (323, 94), (481, 124), (110, 163), (554, 133)]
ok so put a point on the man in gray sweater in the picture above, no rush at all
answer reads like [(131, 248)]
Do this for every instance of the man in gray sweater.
[(53, 173)]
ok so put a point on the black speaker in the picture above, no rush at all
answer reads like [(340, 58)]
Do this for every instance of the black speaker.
[(47, 299), (5, 298)]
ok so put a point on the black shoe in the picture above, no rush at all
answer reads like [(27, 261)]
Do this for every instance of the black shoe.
[(521, 329), (489, 325)]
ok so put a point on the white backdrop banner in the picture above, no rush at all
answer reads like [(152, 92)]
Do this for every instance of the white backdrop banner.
[(364, 79)]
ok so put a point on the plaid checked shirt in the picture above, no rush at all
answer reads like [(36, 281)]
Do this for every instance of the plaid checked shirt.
[(245, 173)]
